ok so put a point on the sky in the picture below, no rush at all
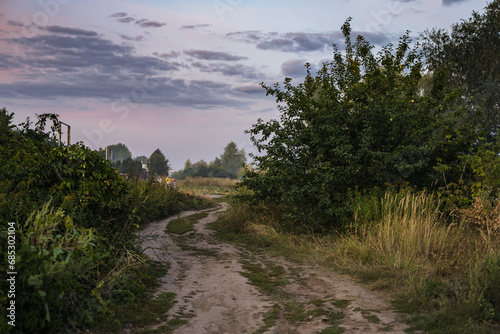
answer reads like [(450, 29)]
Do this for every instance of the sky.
[(181, 76)]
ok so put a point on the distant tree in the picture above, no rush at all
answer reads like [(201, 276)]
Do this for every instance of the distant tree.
[(216, 163), (188, 166), (6, 120), (201, 168), (142, 158), (233, 159), (116, 152), (228, 165), (470, 55), (128, 166), (158, 163), (218, 170)]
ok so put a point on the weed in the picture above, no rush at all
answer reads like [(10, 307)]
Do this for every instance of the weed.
[(268, 280), (184, 225), (334, 320), (342, 303), (149, 313), (333, 330), (317, 302), (372, 318), (270, 318)]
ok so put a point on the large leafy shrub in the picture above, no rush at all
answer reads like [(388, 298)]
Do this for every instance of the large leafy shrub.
[(361, 121)]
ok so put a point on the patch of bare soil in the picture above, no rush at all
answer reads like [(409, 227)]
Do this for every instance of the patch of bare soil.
[(214, 297)]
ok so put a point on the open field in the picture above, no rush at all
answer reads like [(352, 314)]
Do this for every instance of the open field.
[(203, 186)]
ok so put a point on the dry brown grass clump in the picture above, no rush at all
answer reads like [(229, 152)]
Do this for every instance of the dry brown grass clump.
[(485, 216)]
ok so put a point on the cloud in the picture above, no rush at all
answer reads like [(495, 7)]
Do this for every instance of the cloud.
[(134, 39), (69, 31), (15, 23), (74, 50), (127, 91), (145, 23), (126, 19), (300, 42), (120, 14), (249, 36), (452, 2), (212, 55), (167, 55), (195, 26), (250, 88), (8, 62), (65, 62), (294, 68), (229, 70)]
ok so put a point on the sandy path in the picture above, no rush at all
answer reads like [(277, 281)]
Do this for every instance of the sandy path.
[(206, 276)]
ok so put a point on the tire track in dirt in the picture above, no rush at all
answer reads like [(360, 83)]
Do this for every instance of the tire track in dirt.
[(214, 297)]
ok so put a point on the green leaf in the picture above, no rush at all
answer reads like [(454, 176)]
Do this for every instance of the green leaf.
[(57, 251), (47, 313)]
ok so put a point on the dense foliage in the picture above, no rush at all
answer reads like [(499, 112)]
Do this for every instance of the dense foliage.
[(361, 122), (469, 53), (73, 215)]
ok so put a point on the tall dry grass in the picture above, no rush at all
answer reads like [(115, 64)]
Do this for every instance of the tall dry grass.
[(410, 238)]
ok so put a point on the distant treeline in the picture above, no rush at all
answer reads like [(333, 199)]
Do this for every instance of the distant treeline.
[(121, 158), (228, 165)]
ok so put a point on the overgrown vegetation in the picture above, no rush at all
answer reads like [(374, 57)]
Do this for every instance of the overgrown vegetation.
[(387, 166), (76, 259)]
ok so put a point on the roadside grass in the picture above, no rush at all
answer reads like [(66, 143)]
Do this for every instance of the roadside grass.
[(167, 327), (150, 313), (206, 186), (185, 224), (445, 276), (145, 310)]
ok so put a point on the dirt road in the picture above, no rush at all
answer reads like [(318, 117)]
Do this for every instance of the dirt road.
[(215, 296)]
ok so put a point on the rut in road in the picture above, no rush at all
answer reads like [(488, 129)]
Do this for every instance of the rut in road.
[(214, 297)]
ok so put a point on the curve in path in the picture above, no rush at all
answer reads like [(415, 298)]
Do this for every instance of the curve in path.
[(205, 274)]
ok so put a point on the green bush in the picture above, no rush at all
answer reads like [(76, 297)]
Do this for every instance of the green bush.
[(55, 264)]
